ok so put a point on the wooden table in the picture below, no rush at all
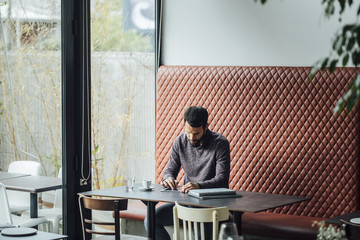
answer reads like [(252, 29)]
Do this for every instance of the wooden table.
[(346, 217), (33, 185), (39, 235), (249, 202), (8, 175), (352, 232)]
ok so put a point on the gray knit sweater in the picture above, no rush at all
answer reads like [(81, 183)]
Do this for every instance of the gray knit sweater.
[(207, 165)]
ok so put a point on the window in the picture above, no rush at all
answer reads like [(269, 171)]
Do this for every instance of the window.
[(122, 91), (30, 88)]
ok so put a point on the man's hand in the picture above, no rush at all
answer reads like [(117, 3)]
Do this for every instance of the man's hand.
[(169, 183), (189, 186)]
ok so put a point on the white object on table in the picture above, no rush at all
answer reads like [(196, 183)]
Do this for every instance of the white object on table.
[(355, 220)]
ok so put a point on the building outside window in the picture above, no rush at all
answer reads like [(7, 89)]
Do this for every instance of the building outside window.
[(122, 88)]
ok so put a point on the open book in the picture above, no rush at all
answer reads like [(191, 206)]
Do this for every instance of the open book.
[(210, 193)]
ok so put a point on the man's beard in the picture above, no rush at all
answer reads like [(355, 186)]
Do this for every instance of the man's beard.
[(197, 143)]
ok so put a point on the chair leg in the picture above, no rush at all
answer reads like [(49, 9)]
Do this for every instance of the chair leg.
[(46, 226), (56, 224)]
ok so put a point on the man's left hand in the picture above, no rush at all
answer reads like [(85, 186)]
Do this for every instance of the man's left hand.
[(189, 186)]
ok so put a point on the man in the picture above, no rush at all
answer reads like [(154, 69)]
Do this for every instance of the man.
[(205, 157)]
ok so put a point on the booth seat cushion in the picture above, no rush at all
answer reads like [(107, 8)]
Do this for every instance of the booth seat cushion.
[(279, 226), (136, 210)]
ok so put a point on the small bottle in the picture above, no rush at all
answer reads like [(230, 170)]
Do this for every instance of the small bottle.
[(133, 183), (126, 183)]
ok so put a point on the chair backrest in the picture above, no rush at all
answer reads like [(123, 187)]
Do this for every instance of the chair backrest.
[(20, 201), (25, 167), (90, 203), (5, 213), (193, 217)]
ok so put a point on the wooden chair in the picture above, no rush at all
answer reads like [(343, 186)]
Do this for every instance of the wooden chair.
[(192, 218), (115, 205)]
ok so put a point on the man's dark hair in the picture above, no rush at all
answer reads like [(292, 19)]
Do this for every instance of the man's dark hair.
[(196, 116)]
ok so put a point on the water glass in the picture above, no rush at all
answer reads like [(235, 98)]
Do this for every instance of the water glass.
[(132, 183), (228, 231), (126, 184)]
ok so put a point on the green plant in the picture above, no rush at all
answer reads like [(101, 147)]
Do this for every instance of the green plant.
[(55, 161), (345, 50), (113, 91), (108, 118), (97, 166), (107, 31), (329, 232), (34, 72), (30, 67), (31, 91)]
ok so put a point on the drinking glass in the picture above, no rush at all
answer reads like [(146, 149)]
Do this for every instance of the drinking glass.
[(228, 231)]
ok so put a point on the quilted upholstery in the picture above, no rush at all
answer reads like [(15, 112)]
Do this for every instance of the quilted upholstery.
[(283, 134)]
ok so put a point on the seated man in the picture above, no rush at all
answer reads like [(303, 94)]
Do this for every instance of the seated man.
[(205, 157)]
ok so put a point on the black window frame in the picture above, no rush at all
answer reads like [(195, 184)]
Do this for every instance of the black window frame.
[(76, 80)]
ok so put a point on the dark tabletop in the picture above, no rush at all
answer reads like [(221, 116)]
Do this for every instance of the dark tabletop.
[(346, 217), (33, 184), (248, 202)]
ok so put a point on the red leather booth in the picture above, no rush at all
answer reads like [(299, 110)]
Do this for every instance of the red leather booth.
[(283, 133), (284, 138)]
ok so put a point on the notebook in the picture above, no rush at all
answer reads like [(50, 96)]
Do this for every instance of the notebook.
[(218, 196), (212, 193)]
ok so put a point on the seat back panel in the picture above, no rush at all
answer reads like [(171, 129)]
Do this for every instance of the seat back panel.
[(284, 136)]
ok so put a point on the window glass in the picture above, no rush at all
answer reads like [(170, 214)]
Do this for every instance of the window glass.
[(30, 88), (30, 75), (122, 91)]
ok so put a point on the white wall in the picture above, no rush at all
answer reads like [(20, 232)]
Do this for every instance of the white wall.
[(245, 33)]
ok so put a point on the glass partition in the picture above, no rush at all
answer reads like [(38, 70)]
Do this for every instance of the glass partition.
[(30, 86), (122, 91)]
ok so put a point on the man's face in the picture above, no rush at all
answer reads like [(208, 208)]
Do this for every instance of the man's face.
[(195, 135)]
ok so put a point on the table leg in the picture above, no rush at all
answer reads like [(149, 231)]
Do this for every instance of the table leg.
[(33, 205), (151, 218), (237, 220)]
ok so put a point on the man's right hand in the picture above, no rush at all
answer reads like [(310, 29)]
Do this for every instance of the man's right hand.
[(169, 183)]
